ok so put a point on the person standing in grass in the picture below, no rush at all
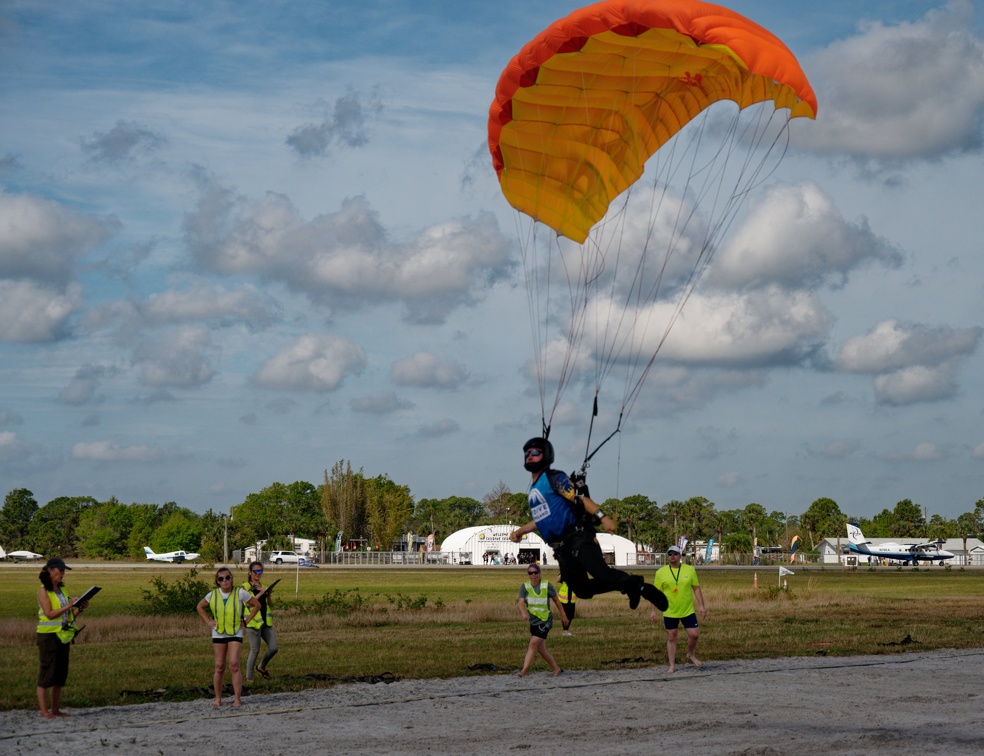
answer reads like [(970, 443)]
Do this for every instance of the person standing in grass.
[(227, 605), (56, 630), (261, 627), (534, 606), (679, 582), (567, 601)]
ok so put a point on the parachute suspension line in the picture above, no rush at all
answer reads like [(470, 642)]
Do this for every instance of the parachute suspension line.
[(531, 272)]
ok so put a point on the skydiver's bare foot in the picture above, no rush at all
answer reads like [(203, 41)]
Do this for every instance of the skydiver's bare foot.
[(61, 714), (522, 673), (671, 669), (47, 715), (216, 704), (557, 672), (237, 704), (695, 661)]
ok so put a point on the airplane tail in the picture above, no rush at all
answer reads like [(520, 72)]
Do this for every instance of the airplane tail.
[(149, 552), (855, 536)]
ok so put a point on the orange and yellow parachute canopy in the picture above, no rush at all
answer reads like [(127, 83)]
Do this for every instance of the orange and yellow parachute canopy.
[(583, 105)]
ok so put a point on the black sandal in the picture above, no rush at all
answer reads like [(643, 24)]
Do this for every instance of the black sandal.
[(264, 674)]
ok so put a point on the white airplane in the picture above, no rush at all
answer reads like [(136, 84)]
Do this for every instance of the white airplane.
[(906, 552), (24, 556), (171, 556)]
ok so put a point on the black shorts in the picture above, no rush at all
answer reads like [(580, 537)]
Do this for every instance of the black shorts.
[(540, 629), (672, 623), (227, 639), (53, 655)]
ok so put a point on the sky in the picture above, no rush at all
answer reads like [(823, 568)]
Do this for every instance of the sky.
[(241, 241)]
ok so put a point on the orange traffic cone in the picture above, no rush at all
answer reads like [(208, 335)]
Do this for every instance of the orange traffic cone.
[(755, 579)]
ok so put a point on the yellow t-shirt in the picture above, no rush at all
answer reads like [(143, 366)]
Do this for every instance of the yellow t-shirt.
[(678, 585)]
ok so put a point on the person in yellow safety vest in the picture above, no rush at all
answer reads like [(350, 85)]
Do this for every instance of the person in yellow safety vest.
[(261, 628), (56, 629), (534, 606), (226, 605), (567, 600)]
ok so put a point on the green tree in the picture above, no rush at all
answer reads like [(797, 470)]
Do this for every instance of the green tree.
[(907, 520), (181, 530), (823, 519), (19, 508), (442, 517), (103, 530), (389, 508), (53, 527), (343, 499)]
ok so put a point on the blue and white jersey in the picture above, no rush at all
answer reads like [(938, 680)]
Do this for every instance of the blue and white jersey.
[(551, 499)]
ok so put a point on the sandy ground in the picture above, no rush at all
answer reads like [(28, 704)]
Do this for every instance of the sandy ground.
[(913, 702)]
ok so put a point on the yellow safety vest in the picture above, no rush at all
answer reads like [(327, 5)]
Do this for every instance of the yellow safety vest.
[(538, 604), (566, 594), (257, 622), (228, 613), (63, 626)]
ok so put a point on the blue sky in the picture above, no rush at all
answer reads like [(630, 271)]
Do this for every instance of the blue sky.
[(242, 241)]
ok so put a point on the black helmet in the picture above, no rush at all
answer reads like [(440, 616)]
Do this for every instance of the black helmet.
[(545, 461)]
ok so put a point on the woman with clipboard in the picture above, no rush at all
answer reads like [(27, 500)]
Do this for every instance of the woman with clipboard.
[(56, 630)]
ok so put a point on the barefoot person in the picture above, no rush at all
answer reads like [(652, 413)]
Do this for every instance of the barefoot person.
[(679, 582), (261, 628), (56, 629), (534, 605), (227, 605)]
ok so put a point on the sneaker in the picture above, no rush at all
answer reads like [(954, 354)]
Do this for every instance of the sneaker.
[(655, 597)]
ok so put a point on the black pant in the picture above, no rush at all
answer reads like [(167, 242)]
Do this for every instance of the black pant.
[(579, 556)]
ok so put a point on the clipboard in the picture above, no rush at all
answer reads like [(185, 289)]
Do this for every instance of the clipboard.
[(272, 585), (93, 590)]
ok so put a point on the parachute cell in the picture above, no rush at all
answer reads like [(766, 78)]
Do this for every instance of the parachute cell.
[(580, 109)]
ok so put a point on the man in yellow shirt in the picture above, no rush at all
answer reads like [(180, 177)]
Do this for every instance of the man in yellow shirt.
[(679, 582)]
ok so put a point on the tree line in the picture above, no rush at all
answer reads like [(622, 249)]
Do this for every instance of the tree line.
[(376, 512)]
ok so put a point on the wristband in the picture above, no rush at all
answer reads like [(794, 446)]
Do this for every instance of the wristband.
[(599, 514)]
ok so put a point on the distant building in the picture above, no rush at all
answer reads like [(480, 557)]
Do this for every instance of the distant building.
[(490, 544)]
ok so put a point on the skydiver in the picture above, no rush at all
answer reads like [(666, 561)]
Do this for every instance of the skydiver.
[(565, 517)]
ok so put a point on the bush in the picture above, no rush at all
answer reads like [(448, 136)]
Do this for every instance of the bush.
[(179, 597), (339, 602)]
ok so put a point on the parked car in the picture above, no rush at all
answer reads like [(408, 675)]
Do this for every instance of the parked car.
[(285, 557)]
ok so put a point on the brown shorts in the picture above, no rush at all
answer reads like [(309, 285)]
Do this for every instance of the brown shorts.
[(53, 655)]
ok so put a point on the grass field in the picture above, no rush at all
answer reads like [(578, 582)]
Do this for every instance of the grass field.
[(437, 622)]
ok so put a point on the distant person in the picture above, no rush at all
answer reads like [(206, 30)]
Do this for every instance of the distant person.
[(56, 630), (227, 605), (678, 581), (534, 606), (567, 602), (261, 626), (565, 516)]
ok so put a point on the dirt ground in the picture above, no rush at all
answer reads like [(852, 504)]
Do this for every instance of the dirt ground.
[(912, 702)]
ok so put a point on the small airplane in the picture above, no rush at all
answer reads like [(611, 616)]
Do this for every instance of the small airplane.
[(171, 556), (24, 556), (906, 552)]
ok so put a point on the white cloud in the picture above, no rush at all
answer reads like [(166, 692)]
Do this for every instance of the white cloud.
[(82, 388), (106, 451), (911, 362), (439, 428), (767, 326), (13, 449), (903, 91), (9, 417), (31, 313), (176, 358), (347, 258), (978, 451), (122, 144), (891, 345), (380, 404), (313, 363), (427, 370), (40, 239), (917, 383), (796, 237), (926, 452)]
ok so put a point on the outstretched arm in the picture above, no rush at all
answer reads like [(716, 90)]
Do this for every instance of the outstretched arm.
[(517, 535), (593, 509)]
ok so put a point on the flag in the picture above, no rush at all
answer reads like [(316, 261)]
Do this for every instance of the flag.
[(783, 572), (792, 548), (710, 549), (682, 543)]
